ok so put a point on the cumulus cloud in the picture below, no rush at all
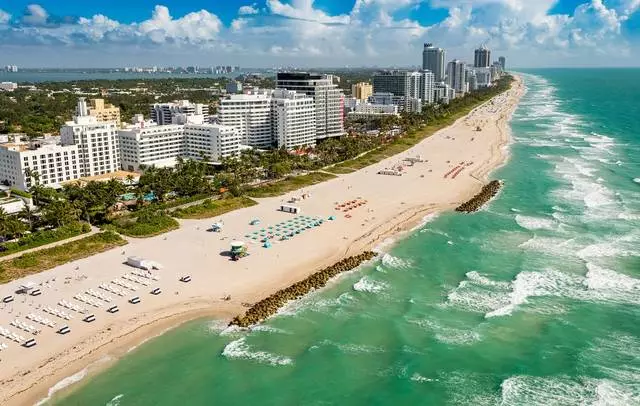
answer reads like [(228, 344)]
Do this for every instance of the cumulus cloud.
[(304, 10), (35, 15), (4, 17), (247, 10), (374, 31)]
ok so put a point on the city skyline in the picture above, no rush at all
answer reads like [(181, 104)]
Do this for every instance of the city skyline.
[(306, 33)]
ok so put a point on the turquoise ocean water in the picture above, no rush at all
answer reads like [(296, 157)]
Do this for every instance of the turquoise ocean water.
[(533, 301)]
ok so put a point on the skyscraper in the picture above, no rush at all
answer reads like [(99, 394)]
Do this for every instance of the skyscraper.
[(456, 76), (503, 62), (482, 57), (433, 60)]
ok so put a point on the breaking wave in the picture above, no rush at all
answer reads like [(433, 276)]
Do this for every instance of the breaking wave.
[(239, 349)]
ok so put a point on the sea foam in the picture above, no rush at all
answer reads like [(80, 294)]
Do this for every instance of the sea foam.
[(535, 223), (366, 284), (239, 349)]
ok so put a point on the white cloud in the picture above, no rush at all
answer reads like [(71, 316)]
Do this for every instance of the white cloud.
[(35, 15), (370, 33), (196, 27), (4, 17), (246, 10), (304, 10)]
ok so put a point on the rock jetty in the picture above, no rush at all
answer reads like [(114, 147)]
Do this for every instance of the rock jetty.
[(270, 305), (488, 191)]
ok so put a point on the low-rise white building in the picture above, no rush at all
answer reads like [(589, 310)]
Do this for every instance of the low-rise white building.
[(145, 143), (212, 142), (8, 86), (174, 113), (54, 163), (368, 110)]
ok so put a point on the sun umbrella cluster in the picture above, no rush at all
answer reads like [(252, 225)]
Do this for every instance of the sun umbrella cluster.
[(285, 230), (347, 206)]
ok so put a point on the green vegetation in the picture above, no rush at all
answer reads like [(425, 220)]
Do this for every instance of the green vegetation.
[(290, 183), (42, 260), (21, 193), (44, 237), (147, 223), (212, 208)]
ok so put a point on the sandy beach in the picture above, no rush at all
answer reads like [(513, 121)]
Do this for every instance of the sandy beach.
[(393, 204)]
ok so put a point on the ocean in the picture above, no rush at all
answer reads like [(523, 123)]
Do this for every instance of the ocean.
[(23, 77), (535, 300)]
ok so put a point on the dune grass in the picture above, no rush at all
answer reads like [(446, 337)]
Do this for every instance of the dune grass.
[(212, 208), (289, 184)]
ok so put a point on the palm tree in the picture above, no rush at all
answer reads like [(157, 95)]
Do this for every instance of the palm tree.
[(27, 213)]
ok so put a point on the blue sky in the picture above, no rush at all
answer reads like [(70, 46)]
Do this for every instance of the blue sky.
[(273, 33)]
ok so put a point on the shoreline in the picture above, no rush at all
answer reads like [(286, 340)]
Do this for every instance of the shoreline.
[(156, 320)]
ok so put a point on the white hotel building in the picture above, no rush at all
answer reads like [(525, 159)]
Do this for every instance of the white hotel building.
[(149, 144), (251, 115), (294, 119), (53, 162), (145, 143), (271, 118), (97, 142), (212, 142)]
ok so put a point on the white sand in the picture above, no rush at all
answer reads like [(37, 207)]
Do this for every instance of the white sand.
[(395, 203)]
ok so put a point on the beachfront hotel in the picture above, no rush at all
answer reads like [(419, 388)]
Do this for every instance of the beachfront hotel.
[(251, 115), (55, 163), (212, 142), (294, 119), (145, 143), (271, 118), (97, 142)]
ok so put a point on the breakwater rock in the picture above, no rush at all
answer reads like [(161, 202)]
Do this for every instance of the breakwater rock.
[(270, 305), (488, 191)]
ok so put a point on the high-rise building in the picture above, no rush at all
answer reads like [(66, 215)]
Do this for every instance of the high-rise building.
[(294, 119), (175, 112), (328, 99), (250, 114), (433, 60), (212, 142), (416, 85), (278, 118), (97, 142), (104, 112), (394, 82), (482, 57), (362, 90), (456, 76), (427, 82), (503, 63)]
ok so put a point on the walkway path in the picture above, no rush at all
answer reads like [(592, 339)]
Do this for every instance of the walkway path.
[(94, 230)]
